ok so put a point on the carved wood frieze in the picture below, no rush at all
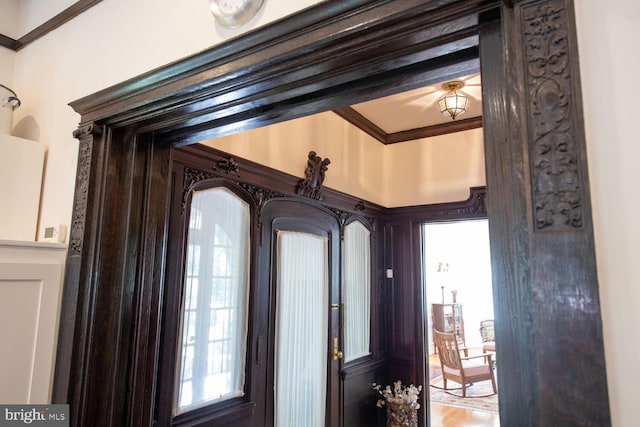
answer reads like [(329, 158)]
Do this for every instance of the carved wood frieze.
[(259, 195), (557, 193)]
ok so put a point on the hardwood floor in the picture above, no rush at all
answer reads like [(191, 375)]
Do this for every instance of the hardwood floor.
[(449, 416)]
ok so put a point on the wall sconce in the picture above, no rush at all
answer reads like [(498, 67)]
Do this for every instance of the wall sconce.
[(453, 103)]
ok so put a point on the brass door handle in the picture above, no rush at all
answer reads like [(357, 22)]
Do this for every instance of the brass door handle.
[(336, 354)]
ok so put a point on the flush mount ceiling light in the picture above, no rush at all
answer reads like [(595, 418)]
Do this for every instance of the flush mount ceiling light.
[(453, 103)]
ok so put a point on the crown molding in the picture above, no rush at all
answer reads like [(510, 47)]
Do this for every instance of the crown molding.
[(63, 17), (373, 130)]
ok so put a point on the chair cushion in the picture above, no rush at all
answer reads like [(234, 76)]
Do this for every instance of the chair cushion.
[(489, 346), (472, 371)]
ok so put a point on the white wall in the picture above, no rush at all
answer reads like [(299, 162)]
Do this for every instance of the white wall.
[(85, 55), (8, 27), (608, 33), (113, 41), (35, 13), (463, 246), (9, 18)]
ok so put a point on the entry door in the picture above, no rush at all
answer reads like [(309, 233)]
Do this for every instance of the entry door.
[(307, 353), (301, 347)]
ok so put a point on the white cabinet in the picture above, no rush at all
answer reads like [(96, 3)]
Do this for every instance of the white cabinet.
[(31, 276), (21, 163)]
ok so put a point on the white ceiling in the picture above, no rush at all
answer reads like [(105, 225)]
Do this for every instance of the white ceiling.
[(418, 108)]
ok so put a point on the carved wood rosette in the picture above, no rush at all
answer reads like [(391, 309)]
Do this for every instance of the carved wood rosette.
[(556, 184)]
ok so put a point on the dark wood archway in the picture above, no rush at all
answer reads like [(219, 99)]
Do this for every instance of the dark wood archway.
[(551, 369)]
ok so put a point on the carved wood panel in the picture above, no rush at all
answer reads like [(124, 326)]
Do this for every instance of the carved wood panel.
[(557, 192), (85, 135)]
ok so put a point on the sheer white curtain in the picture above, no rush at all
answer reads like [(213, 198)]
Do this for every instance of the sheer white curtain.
[(301, 330), (356, 290), (215, 299)]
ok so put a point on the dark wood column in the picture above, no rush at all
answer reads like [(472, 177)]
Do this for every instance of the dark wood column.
[(548, 324), (114, 266), (75, 317)]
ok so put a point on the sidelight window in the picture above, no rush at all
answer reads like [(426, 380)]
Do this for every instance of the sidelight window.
[(357, 291), (212, 350)]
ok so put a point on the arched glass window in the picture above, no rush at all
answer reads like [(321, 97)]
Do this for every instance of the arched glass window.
[(357, 291), (212, 350)]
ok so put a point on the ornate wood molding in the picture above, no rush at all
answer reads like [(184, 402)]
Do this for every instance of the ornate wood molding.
[(191, 177), (86, 130), (260, 195), (314, 173), (557, 192), (228, 165), (474, 205), (78, 218), (329, 56), (364, 124), (85, 134)]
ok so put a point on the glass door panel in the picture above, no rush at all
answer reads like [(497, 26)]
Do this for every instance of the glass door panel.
[(302, 298)]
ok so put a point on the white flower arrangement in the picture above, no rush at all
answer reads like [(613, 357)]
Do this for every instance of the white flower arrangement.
[(401, 395)]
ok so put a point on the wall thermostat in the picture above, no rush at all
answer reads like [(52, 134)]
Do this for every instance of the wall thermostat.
[(54, 234)]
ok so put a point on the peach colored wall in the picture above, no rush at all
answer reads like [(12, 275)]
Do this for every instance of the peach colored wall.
[(356, 158), (434, 170), (430, 170)]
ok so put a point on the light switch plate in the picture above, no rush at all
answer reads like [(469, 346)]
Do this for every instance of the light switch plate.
[(54, 234)]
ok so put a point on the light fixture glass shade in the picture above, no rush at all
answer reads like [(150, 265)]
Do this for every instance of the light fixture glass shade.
[(453, 103)]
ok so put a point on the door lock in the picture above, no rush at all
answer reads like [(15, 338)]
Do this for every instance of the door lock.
[(337, 354)]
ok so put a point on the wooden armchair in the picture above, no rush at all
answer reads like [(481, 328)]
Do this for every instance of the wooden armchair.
[(456, 367), (488, 336)]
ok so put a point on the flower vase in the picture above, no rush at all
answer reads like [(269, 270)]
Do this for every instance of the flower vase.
[(402, 415)]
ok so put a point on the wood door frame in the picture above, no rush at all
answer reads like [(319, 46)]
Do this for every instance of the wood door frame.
[(325, 57)]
